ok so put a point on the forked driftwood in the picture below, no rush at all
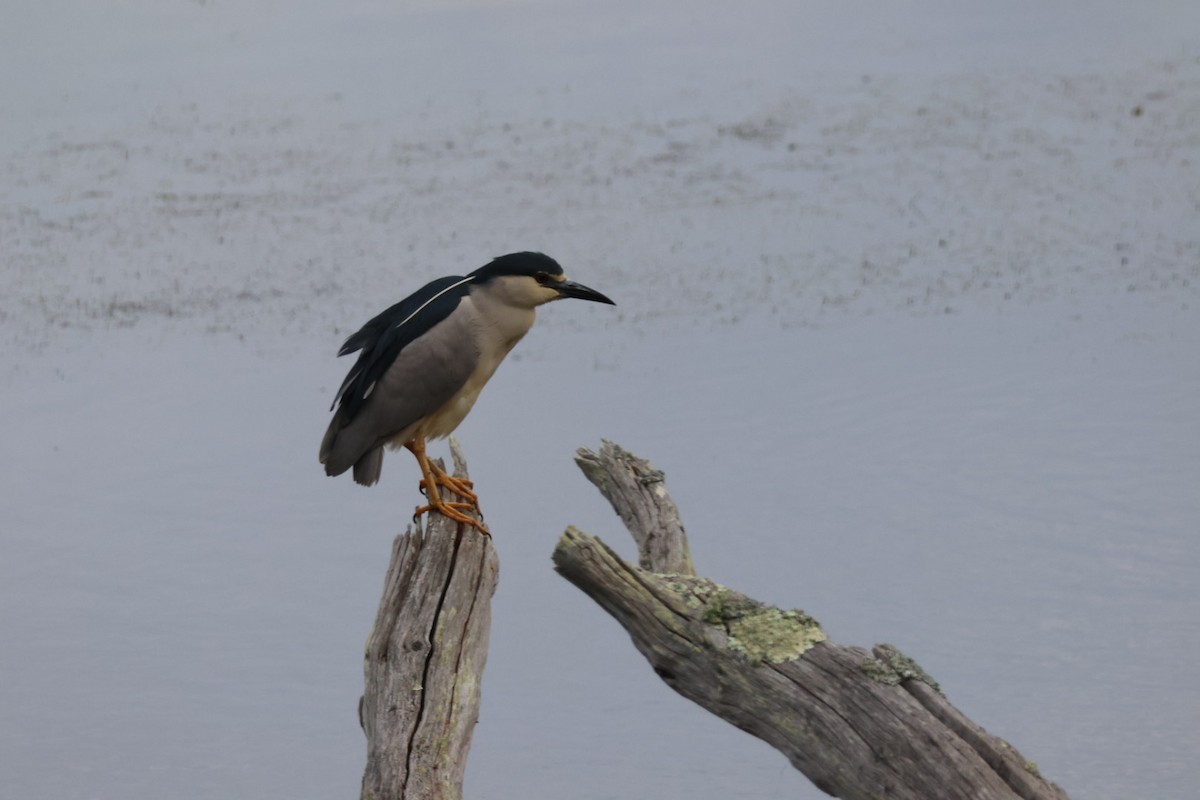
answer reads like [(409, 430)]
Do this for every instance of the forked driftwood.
[(424, 660), (859, 724)]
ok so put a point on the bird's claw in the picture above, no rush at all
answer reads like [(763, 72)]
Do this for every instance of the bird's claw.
[(451, 510)]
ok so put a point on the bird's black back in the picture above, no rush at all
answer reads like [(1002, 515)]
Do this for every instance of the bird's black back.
[(383, 337)]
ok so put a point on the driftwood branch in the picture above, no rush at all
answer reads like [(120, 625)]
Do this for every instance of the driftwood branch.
[(636, 492), (424, 660), (859, 724)]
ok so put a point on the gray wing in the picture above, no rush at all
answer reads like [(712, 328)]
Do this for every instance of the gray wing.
[(424, 377)]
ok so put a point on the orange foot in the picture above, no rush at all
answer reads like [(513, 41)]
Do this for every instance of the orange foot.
[(455, 512), (434, 478), (460, 486)]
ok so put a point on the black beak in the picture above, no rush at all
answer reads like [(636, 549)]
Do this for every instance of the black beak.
[(581, 292)]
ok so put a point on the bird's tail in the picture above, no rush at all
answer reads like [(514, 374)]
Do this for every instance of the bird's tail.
[(327, 443), (367, 467)]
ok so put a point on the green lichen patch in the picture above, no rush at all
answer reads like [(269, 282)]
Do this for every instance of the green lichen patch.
[(759, 632), (878, 670), (723, 606), (696, 593), (894, 667), (772, 635)]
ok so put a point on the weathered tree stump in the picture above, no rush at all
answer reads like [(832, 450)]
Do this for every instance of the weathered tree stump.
[(859, 724), (424, 660)]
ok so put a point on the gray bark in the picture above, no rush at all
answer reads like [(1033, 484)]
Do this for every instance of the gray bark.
[(624, 479), (859, 724), (424, 660)]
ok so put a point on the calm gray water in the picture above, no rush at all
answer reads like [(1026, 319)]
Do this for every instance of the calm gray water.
[(907, 313)]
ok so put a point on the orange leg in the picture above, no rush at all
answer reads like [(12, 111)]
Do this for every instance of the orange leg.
[(435, 478)]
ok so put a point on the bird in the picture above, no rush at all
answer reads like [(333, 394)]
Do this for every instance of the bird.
[(423, 362)]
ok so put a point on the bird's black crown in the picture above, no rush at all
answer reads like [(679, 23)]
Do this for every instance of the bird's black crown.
[(527, 263)]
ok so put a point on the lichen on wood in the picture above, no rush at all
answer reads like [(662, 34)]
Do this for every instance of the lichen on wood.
[(859, 724)]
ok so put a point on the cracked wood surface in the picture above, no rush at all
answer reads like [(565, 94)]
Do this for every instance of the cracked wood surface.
[(859, 724), (636, 492), (424, 660)]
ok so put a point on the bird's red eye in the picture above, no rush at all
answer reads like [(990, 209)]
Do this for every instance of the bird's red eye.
[(542, 278)]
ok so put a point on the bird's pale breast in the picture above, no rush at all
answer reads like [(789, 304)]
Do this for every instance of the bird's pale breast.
[(495, 329)]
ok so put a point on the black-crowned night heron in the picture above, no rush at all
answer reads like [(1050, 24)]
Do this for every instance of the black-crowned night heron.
[(424, 361)]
